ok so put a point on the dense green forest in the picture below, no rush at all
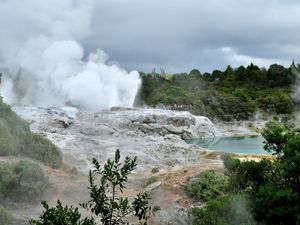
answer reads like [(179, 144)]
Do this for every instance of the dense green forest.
[(238, 93)]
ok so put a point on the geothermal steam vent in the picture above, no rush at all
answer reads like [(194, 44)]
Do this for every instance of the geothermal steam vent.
[(46, 66)]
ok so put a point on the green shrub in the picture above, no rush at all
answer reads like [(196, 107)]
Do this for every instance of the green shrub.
[(155, 170), (14, 131), (7, 145), (17, 139), (226, 210), (207, 185), (151, 180), (273, 186), (247, 174), (62, 215), (44, 150), (5, 217), (21, 181)]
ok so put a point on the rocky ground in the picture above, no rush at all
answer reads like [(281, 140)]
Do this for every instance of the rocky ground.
[(241, 128), (156, 137)]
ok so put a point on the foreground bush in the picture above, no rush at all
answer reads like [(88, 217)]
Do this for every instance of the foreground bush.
[(273, 186), (62, 215), (21, 181), (225, 210), (17, 139), (106, 202), (267, 189), (208, 185), (5, 217)]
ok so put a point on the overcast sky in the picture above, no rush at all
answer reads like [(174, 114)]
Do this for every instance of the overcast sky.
[(180, 35)]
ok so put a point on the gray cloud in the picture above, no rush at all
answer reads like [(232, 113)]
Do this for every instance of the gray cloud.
[(180, 35)]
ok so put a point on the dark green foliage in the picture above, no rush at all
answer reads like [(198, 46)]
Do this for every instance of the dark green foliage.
[(155, 170), (17, 139), (61, 215), (273, 186), (275, 204), (226, 95), (277, 74), (196, 73), (246, 174), (276, 134), (268, 189), (207, 185), (106, 202), (5, 217), (228, 106), (217, 75), (15, 132), (21, 181), (276, 102), (225, 210)]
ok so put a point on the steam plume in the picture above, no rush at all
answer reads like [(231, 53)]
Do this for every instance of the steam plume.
[(45, 63)]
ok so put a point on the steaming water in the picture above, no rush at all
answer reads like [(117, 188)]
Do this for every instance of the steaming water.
[(45, 64), (249, 145)]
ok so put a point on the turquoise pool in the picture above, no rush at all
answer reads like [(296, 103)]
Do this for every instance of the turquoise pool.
[(249, 145)]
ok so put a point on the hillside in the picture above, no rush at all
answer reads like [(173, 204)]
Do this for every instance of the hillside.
[(17, 139), (234, 94)]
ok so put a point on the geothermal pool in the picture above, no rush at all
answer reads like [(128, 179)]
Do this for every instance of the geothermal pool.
[(248, 145)]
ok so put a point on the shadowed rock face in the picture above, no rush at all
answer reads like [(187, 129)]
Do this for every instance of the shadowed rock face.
[(155, 136)]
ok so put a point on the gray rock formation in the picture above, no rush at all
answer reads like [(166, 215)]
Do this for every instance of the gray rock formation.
[(155, 136)]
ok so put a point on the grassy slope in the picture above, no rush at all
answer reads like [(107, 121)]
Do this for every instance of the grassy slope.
[(17, 139)]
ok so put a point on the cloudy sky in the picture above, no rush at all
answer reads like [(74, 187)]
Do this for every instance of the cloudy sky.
[(179, 35)]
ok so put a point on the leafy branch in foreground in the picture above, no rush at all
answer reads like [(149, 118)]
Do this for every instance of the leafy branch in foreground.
[(63, 215), (106, 187), (105, 199)]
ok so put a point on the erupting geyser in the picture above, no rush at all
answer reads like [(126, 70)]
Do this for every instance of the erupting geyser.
[(44, 63)]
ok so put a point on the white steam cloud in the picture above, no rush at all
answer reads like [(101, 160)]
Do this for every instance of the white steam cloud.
[(44, 63)]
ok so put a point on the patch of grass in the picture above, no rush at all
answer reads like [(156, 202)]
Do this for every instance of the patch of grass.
[(151, 180), (207, 185), (168, 177), (44, 150), (212, 155), (21, 181), (155, 170)]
